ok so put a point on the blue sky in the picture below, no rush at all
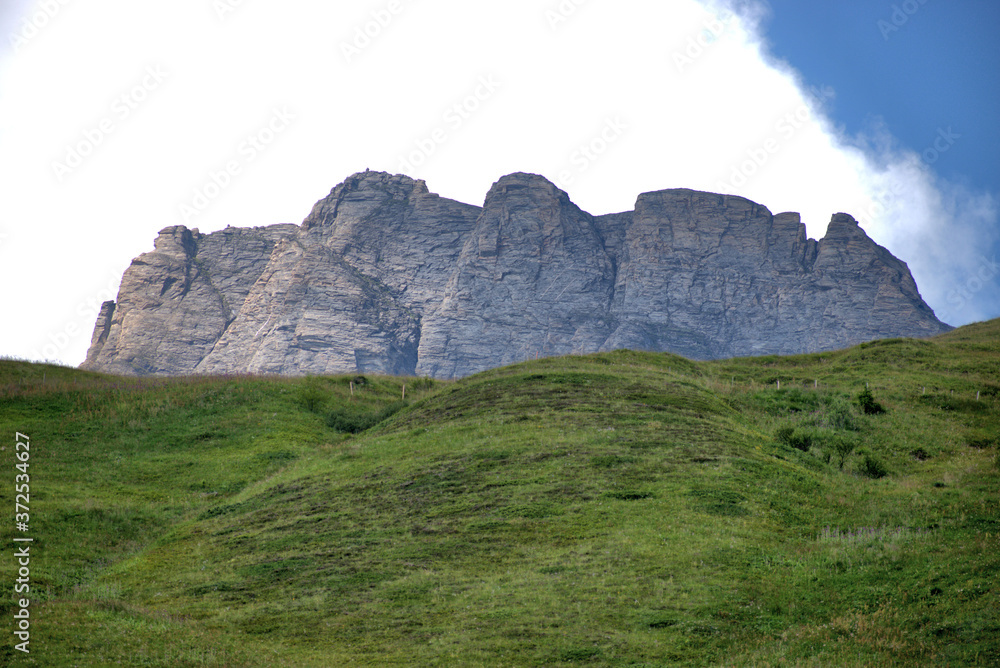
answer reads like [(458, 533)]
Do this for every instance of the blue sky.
[(119, 118), (920, 76), (937, 69)]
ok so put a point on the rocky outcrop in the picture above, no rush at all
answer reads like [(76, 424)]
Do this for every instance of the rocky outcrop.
[(176, 302), (384, 276), (532, 278)]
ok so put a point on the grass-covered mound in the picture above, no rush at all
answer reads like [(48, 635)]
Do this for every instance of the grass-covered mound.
[(626, 508)]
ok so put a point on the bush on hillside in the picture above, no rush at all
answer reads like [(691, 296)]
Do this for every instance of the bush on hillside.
[(868, 405), (842, 447), (784, 434), (829, 444), (872, 467), (795, 438), (838, 414)]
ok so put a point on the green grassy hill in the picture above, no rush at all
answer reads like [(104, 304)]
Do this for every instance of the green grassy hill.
[(619, 509)]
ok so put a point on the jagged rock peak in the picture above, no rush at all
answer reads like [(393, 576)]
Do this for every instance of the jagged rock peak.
[(395, 185), (843, 218), (384, 276), (368, 189), (176, 239), (523, 180)]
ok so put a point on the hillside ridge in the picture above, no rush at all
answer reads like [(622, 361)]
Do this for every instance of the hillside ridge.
[(621, 508)]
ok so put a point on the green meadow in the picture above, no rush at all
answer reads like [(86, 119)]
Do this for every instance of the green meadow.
[(615, 509)]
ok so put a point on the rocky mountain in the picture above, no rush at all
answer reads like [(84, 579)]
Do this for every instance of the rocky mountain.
[(384, 276)]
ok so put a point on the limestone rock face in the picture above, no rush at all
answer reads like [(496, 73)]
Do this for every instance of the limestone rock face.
[(532, 278), (176, 302), (384, 276)]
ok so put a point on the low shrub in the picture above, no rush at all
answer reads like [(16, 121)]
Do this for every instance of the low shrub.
[(837, 414), (842, 447), (868, 405), (347, 422), (796, 438), (784, 434), (872, 467), (829, 444), (802, 440)]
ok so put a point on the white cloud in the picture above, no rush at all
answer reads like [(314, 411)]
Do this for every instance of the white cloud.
[(693, 121), (944, 230)]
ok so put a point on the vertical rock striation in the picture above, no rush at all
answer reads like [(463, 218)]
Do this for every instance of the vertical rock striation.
[(384, 276), (532, 279)]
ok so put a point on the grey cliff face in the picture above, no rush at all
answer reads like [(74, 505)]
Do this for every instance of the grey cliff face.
[(532, 278), (384, 276)]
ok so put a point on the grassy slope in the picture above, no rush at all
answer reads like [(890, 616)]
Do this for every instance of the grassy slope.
[(615, 509)]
